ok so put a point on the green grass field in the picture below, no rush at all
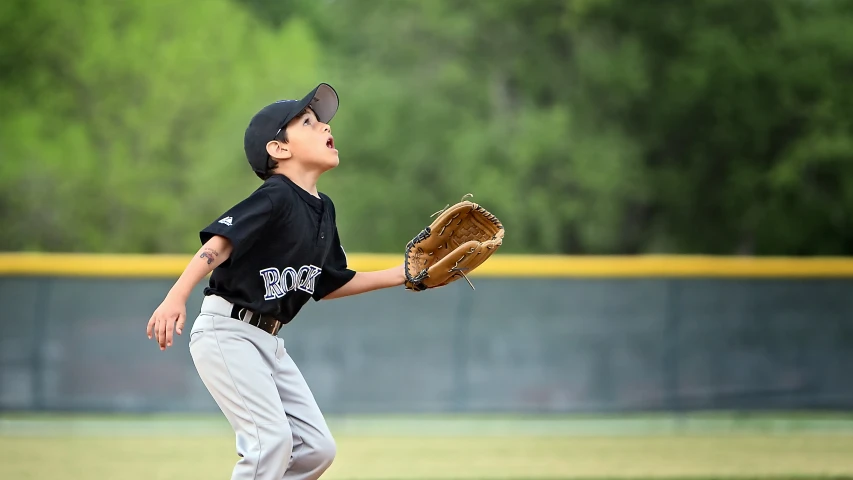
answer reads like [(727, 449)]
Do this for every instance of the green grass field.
[(636, 447)]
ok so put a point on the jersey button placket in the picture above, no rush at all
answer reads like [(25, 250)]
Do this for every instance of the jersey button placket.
[(323, 224)]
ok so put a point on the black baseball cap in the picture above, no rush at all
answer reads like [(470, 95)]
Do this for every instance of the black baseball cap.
[(268, 122)]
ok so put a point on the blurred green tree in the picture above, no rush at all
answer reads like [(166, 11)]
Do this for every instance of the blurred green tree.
[(590, 126), (741, 110), (121, 123)]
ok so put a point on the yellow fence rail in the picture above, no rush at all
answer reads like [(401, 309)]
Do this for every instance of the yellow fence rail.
[(506, 265)]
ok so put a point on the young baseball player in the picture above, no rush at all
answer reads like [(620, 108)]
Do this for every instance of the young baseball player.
[(268, 256)]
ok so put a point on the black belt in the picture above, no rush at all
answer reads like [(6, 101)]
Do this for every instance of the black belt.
[(266, 323)]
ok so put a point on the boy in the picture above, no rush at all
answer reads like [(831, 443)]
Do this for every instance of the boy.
[(269, 255)]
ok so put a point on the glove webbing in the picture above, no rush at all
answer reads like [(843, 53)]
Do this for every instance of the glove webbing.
[(417, 280)]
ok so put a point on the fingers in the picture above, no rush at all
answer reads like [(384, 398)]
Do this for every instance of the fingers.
[(182, 317), (170, 330), (161, 332), (150, 328), (163, 324)]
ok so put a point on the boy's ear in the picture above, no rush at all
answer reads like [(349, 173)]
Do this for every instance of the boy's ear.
[(278, 150)]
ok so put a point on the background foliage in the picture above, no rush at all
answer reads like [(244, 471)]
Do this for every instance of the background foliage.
[(588, 126)]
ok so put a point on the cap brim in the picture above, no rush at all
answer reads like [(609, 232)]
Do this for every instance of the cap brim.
[(323, 100)]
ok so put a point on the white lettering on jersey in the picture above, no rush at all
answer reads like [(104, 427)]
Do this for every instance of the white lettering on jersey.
[(278, 283), (272, 286), (306, 276), (288, 279)]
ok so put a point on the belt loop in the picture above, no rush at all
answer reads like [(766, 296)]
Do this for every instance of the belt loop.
[(242, 314)]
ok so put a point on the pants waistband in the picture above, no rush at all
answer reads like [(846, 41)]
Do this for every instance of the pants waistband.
[(217, 305)]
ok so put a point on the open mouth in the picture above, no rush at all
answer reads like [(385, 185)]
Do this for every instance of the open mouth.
[(330, 143)]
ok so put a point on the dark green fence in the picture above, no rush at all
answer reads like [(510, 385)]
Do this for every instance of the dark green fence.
[(516, 345)]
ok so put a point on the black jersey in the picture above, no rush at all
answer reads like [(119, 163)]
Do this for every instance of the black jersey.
[(286, 250)]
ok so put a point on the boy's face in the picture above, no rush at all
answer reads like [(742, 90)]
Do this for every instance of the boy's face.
[(309, 142)]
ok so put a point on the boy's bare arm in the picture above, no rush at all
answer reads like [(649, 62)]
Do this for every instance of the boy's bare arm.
[(171, 315), (208, 257), (368, 281)]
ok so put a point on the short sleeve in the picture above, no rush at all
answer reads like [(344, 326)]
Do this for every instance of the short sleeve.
[(241, 224), (336, 272)]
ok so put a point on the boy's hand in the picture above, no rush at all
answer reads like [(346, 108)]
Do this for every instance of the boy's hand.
[(169, 317)]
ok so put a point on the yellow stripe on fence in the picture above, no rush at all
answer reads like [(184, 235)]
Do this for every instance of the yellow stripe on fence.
[(506, 265)]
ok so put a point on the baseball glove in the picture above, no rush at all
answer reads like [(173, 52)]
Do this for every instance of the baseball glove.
[(460, 239)]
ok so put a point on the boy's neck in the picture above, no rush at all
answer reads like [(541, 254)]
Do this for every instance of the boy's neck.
[(305, 179)]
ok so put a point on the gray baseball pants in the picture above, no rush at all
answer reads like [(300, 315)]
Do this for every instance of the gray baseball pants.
[(281, 433)]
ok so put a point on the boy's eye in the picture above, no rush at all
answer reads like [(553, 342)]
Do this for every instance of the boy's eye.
[(307, 121)]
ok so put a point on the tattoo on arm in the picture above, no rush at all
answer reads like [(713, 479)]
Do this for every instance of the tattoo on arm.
[(210, 254)]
